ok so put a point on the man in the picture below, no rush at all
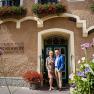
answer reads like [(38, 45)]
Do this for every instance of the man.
[(59, 66)]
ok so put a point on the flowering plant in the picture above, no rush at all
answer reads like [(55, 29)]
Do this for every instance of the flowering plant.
[(32, 77), (42, 10), (12, 11), (83, 79)]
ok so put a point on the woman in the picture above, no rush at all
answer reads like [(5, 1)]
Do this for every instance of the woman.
[(50, 68)]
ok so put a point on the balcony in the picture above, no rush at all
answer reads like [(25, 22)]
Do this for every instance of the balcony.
[(11, 9)]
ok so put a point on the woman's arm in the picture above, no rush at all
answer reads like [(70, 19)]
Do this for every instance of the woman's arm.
[(47, 63)]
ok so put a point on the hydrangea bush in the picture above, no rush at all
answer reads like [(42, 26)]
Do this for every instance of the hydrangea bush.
[(83, 80)]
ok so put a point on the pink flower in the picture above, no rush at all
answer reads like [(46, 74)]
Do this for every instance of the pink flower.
[(85, 45)]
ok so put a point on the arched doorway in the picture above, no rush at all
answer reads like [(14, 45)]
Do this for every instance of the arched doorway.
[(53, 42), (63, 34)]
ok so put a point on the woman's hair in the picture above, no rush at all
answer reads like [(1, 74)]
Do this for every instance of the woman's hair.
[(50, 51)]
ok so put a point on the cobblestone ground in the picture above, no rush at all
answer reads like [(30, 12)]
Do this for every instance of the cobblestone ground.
[(23, 90)]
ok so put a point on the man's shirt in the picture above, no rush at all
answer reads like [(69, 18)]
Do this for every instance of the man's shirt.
[(56, 60)]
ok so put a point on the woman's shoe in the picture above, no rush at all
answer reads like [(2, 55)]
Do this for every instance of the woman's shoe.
[(50, 89)]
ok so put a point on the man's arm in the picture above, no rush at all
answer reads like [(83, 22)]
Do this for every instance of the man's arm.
[(62, 63)]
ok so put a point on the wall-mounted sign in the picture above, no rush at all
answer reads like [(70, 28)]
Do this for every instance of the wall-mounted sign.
[(10, 48)]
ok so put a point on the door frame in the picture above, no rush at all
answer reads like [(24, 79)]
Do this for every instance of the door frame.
[(66, 48), (71, 53)]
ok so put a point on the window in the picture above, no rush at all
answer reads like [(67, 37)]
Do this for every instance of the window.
[(9, 2), (75, 0), (16, 2), (47, 1)]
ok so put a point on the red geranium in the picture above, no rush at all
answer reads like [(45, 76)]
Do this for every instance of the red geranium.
[(32, 77)]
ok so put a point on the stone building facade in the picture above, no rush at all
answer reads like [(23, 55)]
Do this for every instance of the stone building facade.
[(23, 40)]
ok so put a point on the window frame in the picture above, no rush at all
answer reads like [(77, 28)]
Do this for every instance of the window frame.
[(75, 0), (36, 1), (21, 3)]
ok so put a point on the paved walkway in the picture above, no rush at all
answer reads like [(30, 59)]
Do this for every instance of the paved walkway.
[(24, 90)]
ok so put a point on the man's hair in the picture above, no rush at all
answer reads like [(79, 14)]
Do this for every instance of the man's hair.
[(57, 49)]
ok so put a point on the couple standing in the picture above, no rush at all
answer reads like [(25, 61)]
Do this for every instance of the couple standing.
[(55, 65)]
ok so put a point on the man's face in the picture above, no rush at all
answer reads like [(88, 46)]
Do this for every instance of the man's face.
[(57, 52)]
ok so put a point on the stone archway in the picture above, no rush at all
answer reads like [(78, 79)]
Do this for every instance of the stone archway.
[(62, 32)]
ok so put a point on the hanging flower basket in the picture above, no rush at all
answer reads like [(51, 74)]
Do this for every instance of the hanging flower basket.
[(12, 12), (42, 10)]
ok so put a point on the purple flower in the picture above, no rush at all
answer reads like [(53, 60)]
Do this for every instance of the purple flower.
[(87, 70), (85, 45), (82, 74)]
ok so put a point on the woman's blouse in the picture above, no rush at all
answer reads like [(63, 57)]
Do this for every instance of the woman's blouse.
[(50, 63)]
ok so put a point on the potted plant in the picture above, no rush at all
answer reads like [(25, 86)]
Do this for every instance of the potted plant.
[(33, 78), (12, 12), (42, 10)]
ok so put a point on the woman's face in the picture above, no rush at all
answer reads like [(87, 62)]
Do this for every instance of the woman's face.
[(51, 53)]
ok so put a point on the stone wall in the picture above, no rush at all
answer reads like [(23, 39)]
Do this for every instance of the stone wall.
[(16, 63), (78, 8)]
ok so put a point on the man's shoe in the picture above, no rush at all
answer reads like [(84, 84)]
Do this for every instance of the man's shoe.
[(60, 89)]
